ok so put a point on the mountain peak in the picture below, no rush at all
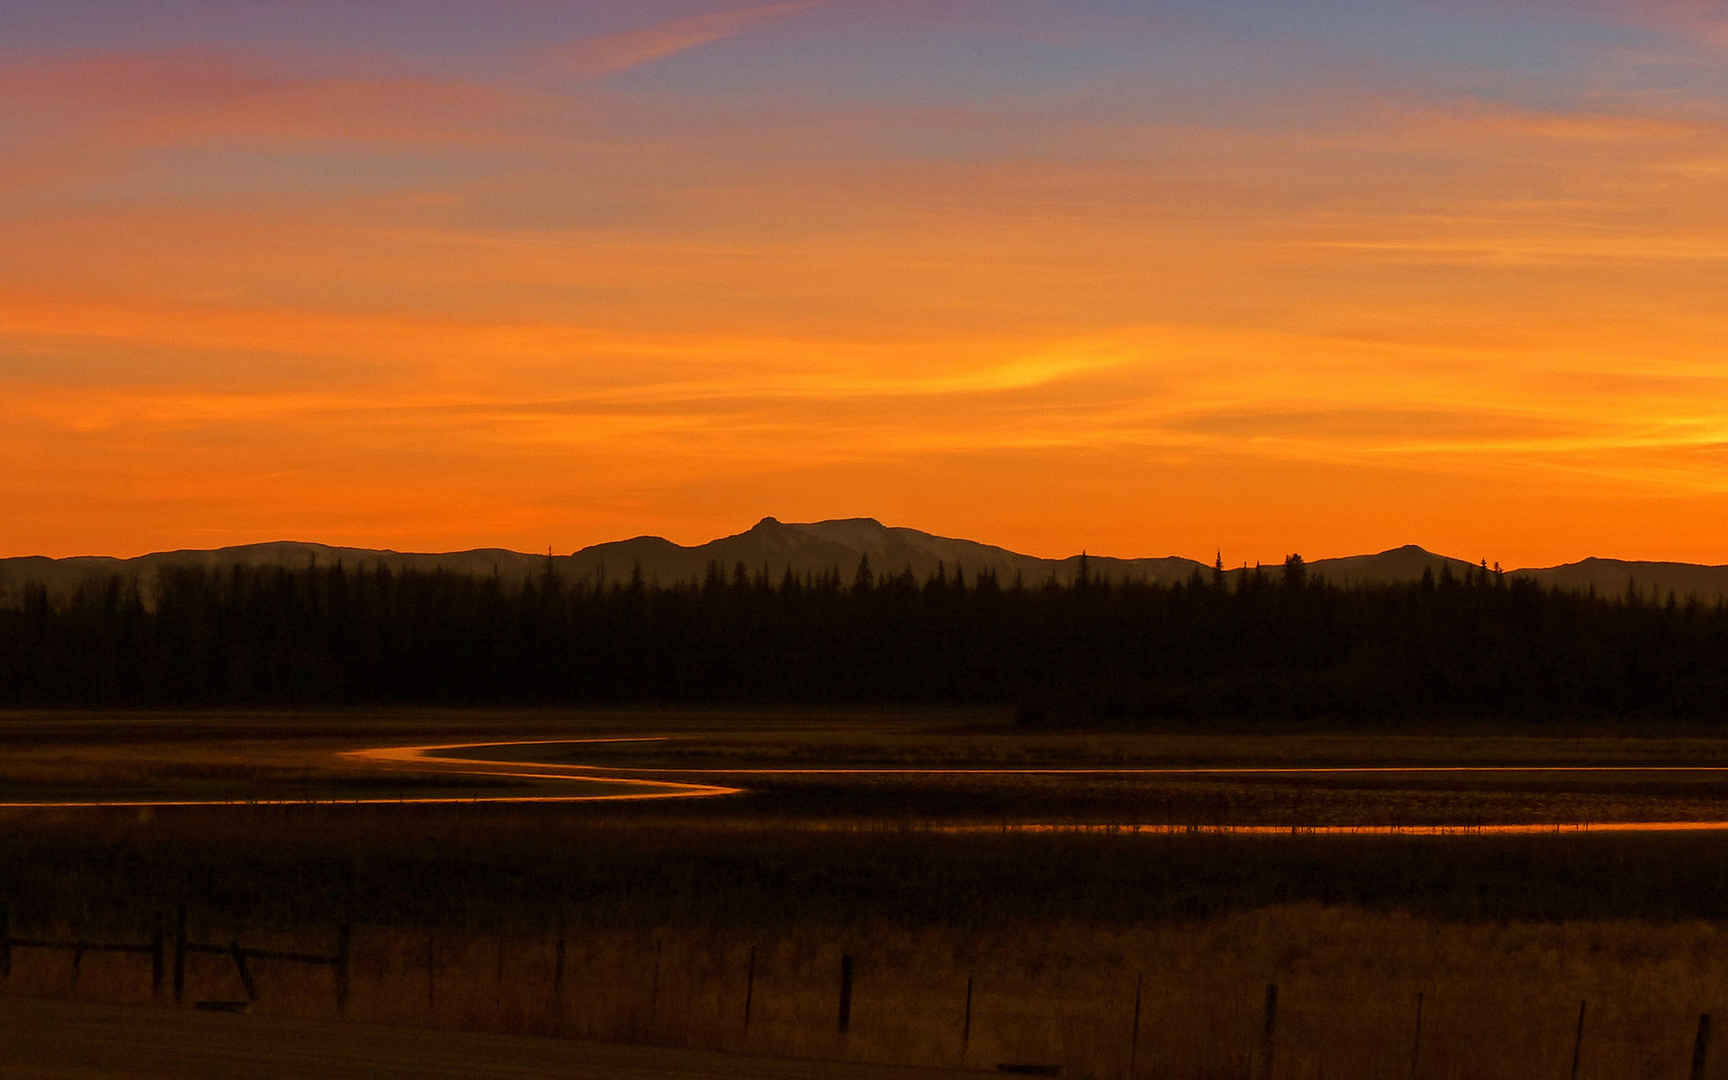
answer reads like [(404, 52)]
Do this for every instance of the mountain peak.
[(869, 521), (766, 523)]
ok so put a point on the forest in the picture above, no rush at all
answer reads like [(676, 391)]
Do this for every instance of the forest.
[(1279, 647)]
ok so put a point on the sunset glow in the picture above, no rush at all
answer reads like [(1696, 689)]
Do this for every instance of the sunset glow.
[(1137, 278)]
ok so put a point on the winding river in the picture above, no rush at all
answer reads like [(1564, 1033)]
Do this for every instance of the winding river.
[(628, 784)]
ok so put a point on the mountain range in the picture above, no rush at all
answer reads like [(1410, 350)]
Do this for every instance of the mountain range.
[(775, 547)]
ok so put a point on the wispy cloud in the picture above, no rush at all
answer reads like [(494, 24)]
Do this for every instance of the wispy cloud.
[(140, 98), (594, 57), (1566, 125), (84, 109), (1381, 424), (1699, 21)]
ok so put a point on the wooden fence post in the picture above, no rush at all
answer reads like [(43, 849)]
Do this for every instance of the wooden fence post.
[(179, 954), (431, 975), (1416, 1040), (156, 957), (1269, 1035), (1134, 1031), (1578, 1041), (844, 1024), (1701, 1047), (654, 990), (749, 987), (558, 950), (966, 1022), (341, 968), (245, 973)]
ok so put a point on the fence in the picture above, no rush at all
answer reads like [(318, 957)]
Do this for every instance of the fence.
[(760, 999), (156, 949)]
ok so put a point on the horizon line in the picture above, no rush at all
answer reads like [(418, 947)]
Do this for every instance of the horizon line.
[(1207, 564)]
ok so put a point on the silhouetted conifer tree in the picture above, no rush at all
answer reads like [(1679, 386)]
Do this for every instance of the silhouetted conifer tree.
[(865, 579)]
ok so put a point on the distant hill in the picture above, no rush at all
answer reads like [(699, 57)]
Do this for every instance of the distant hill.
[(1399, 564), (61, 576), (817, 548), (820, 547), (1653, 580)]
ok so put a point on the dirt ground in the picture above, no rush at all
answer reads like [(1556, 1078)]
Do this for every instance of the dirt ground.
[(62, 1039)]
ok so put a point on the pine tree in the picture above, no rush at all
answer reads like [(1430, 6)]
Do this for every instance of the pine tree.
[(865, 579)]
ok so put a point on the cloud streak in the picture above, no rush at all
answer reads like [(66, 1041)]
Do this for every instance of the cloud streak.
[(1697, 21), (612, 53), (141, 98)]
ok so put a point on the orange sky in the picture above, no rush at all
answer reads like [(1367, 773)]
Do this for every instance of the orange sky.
[(1050, 276)]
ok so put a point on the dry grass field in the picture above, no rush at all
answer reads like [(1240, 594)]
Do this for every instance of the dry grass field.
[(1498, 999), (721, 924)]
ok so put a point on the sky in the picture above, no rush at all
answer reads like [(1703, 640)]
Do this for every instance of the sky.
[(1139, 278)]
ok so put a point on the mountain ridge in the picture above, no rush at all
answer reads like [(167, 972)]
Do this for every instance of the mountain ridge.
[(773, 547)]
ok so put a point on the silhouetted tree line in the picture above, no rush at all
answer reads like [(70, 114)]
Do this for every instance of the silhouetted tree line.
[(1280, 647)]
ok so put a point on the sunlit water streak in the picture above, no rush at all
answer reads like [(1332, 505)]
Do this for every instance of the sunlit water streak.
[(421, 756), (1531, 829)]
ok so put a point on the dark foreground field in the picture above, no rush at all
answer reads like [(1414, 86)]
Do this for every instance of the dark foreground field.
[(74, 1040), (723, 923)]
